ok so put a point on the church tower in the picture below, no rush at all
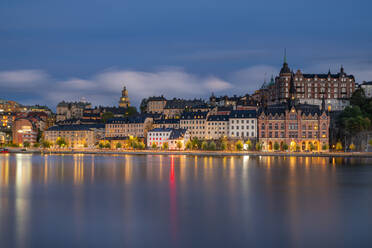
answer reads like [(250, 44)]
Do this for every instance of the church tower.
[(124, 99)]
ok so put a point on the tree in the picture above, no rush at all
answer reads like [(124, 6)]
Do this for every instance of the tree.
[(179, 145), (339, 146), (61, 142), (239, 145), (370, 142), (212, 146), (46, 144), (196, 143), (130, 111), (101, 145), (249, 144), (325, 147), (141, 145), (118, 145), (107, 145), (204, 145), (106, 116), (165, 146), (285, 147), (258, 146), (36, 145), (352, 147), (223, 145), (26, 144), (358, 98), (276, 146), (154, 146), (188, 145)]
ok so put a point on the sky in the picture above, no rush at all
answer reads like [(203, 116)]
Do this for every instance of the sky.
[(64, 50)]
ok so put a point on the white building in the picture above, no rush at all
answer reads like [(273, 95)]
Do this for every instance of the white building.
[(367, 87), (243, 124), (172, 136)]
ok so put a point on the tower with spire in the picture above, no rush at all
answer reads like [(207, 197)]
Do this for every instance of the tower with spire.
[(124, 99)]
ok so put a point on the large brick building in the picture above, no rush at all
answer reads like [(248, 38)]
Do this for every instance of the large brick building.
[(300, 126)]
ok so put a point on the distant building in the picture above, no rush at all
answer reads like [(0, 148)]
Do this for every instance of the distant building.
[(173, 108), (3, 138), (166, 123), (124, 99), (172, 136), (76, 136), (155, 104), (24, 130), (243, 124), (195, 122), (217, 126), (336, 88), (71, 110), (367, 87), (136, 126), (300, 126)]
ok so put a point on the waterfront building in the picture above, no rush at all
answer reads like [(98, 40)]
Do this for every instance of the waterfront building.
[(9, 106), (76, 136), (172, 136), (124, 99), (136, 126), (367, 87), (195, 122), (243, 124), (3, 138), (71, 110), (217, 126), (300, 126), (24, 129)]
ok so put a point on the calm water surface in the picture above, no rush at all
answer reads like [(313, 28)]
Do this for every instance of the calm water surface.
[(184, 201)]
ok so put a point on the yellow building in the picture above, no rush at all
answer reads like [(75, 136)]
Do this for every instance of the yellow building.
[(124, 99), (76, 136)]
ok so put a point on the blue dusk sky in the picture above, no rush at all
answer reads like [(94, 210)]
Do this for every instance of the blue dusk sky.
[(63, 50)]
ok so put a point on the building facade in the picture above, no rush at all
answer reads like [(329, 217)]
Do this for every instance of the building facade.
[(243, 124), (136, 126), (171, 136), (76, 136), (300, 126), (71, 110), (217, 126), (367, 87), (24, 130), (195, 122)]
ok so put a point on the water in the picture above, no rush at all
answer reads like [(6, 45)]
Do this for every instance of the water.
[(184, 201)]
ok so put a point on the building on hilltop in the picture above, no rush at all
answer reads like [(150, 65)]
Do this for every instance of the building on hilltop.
[(367, 87), (71, 110), (336, 88), (124, 101)]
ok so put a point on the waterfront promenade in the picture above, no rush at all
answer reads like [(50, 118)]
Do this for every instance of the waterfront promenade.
[(190, 152)]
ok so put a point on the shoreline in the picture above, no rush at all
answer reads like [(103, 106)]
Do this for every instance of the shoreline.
[(195, 153)]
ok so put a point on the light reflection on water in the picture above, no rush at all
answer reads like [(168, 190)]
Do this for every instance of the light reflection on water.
[(184, 201)]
